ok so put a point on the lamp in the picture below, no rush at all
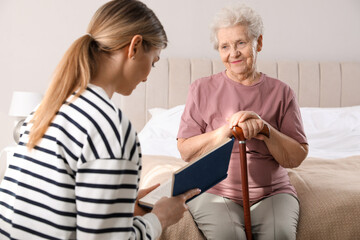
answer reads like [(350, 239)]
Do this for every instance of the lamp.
[(22, 104)]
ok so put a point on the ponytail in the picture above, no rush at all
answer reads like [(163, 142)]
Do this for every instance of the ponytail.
[(73, 73), (111, 28)]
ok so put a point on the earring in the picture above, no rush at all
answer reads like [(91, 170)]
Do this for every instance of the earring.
[(133, 58)]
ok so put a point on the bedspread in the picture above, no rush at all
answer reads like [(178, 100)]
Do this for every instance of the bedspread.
[(329, 194), (328, 190)]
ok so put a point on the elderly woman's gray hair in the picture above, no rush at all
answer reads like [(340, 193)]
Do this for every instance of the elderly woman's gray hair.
[(237, 14)]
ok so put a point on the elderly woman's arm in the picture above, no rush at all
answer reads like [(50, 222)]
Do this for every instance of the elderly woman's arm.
[(193, 147), (287, 152)]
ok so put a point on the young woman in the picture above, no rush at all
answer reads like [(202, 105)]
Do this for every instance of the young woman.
[(76, 170)]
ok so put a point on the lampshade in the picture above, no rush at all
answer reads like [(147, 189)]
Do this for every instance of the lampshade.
[(23, 103)]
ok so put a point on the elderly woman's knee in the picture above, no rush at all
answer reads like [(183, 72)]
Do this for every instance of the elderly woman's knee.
[(226, 232), (284, 232)]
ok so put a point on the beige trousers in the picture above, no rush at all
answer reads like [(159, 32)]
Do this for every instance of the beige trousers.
[(275, 217)]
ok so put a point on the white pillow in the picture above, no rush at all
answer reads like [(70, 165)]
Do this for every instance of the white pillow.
[(156, 111), (158, 137), (332, 132)]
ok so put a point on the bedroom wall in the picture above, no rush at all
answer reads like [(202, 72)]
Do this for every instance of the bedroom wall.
[(35, 34)]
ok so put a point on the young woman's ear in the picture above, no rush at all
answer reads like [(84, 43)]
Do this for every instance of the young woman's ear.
[(135, 44)]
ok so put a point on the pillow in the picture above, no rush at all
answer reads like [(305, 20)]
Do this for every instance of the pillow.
[(158, 137), (156, 111), (332, 132)]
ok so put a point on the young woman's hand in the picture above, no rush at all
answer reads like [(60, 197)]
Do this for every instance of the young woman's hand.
[(140, 211), (171, 210)]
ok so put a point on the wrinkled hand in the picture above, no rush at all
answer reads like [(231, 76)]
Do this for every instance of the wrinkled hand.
[(140, 211), (250, 122), (171, 210)]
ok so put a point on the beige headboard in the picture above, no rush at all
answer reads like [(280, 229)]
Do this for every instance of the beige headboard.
[(324, 84)]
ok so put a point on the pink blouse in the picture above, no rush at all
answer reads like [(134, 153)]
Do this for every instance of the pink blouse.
[(213, 99)]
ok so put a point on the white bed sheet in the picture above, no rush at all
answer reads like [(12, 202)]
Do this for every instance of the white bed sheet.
[(332, 132)]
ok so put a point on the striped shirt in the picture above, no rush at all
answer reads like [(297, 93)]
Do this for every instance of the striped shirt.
[(80, 181)]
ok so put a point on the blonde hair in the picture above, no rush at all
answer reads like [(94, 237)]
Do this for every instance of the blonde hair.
[(111, 28)]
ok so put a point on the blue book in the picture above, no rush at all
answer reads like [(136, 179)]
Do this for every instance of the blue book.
[(204, 172)]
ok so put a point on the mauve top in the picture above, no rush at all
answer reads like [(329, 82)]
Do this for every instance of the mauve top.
[(213, 99)]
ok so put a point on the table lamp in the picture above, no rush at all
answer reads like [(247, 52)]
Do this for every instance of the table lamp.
[(22, 104)]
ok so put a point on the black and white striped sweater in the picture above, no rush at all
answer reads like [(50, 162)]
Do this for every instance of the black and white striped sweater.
[(80, 181)]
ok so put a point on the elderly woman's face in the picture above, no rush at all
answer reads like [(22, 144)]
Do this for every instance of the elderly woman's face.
[(236, 51)]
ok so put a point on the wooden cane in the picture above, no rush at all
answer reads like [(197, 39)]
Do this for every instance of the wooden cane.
[(239, 135)]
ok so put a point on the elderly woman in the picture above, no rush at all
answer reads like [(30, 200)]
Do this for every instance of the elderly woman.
[(241, 96)]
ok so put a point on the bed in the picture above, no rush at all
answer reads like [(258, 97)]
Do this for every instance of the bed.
[(327, 182)]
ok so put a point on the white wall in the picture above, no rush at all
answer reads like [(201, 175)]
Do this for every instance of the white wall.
[(35, 34), (294, 29)]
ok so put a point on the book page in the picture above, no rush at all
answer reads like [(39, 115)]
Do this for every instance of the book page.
[(164, 190)]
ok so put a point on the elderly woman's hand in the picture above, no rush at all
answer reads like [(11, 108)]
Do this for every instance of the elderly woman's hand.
[(250, 122)]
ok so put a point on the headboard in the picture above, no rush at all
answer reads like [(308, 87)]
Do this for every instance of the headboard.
[(317, 84)]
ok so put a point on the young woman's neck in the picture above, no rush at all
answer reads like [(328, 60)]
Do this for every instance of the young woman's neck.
[(107, 73)]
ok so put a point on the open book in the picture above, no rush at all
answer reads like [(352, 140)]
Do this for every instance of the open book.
[(203, 173)]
